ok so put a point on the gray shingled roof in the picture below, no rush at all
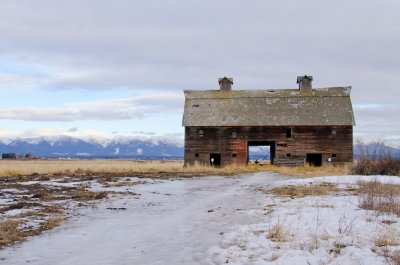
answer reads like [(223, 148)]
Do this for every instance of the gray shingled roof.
[(279, 107)]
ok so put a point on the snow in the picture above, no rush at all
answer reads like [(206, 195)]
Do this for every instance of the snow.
[(215, 220), (351, 179), (312, 229)]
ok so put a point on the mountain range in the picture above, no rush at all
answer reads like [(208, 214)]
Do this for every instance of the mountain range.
[(118, 147), (65, 146)]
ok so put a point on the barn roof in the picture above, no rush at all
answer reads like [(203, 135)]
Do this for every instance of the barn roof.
[(274, 107)]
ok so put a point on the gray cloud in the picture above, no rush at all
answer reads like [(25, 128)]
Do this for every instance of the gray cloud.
[(177, 44), (74, 129), (113, 109), (373, 121), (173, 45)]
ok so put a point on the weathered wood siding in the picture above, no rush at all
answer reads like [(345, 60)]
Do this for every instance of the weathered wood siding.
[(325, 140)]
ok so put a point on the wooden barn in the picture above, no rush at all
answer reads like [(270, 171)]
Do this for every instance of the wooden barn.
[(303, 125)]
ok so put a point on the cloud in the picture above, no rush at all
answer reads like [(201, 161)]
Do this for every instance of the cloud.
[(143, 133), (74, 129), (135, 107), (176, 45), (6, 133), (377, 121), (162, 47)]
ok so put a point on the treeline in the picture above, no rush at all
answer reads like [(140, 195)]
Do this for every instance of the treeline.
[(15, 156)]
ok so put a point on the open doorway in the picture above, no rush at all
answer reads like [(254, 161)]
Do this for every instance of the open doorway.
[(260, 152), (215, 159), (314, 159)]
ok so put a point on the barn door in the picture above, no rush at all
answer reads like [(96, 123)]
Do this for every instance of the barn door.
[(314, 159), (215, 159)]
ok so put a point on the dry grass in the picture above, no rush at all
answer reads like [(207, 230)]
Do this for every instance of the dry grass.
[(273, 257), (302, 191), (394, 258), (127, 183), (380, 197), (310, 171), (81, 167), (385, 240), (376, 159), (388, 166), (88, 167), (81, 194), (9, 232), (85, 166), (52, 223), (279, 232)]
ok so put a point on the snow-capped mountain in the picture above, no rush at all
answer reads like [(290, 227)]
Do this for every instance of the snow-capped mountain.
[(65, 146), (120, 146)]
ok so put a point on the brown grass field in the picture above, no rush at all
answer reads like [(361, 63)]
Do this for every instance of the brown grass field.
[(165, 168)]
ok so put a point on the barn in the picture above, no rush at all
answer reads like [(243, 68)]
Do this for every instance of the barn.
[(300, 125)]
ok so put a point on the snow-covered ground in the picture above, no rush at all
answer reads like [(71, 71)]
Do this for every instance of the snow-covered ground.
[(329, 229), (218, 220)]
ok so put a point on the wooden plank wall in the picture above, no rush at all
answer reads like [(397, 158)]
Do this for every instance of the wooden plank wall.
[(310, 139)]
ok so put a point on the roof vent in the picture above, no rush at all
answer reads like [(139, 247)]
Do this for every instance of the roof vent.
[(304, 82), (225, 83)]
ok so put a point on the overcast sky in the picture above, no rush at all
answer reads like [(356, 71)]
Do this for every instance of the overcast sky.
[(105, 68)]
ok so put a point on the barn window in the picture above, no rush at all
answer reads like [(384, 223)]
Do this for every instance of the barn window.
[(288, 133), (288, 155), (333, 155), (234, 135), (234, 155), (201, 132), (196, 155), (334, 132)]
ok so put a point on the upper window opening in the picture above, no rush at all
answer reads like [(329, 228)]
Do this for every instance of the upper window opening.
[(334, 132), (201, 132), (234, 155), (234, 135), (289, 133)]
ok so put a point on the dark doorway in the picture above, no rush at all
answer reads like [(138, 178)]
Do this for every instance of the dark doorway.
[(314, 159), (215, 159), (261, 152)]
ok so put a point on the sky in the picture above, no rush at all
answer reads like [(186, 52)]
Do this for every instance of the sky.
[(118, 68)]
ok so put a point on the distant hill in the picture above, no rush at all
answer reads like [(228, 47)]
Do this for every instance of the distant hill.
[(64, 146)]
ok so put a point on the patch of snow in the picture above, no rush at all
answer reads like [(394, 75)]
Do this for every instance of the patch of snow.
[(350, 179), (82, 154), (313, 230), (12, 190), (116, 151)]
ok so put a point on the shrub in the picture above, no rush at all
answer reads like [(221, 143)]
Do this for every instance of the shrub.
[(376, 159), (381, 197)]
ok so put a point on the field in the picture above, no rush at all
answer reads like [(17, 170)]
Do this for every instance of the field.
[(38, 195), (155, 168), (238, 215)]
